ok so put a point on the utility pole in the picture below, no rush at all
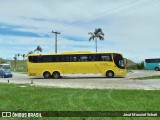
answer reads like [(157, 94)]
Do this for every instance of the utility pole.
[(56, 40)]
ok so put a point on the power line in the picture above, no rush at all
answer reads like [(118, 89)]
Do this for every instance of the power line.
[(118, 12), (126, 10), (101, 14), (85, 20)]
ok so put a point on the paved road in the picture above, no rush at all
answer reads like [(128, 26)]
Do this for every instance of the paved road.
[(91, 81)]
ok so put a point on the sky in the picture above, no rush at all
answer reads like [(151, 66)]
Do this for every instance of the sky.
[(131, 27)]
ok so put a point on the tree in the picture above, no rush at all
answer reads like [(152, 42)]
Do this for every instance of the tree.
[(30, 52), (23, 55), (15, 60), (38, 49), (2, 60), (96, 34), (18, 55)]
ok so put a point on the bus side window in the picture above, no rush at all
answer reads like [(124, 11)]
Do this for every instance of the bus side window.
[(67, 58), (72, 58), (84, 58), (91, 58), (33, 59), (48, 58), (39, 58), (78, 58), (106, 57), (56, 58), (98, 57)]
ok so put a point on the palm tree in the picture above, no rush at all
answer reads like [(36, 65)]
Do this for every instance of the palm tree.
[(18, 55), (30, 52), (38, 49), (96, 34), (23, 55), (15, 60)]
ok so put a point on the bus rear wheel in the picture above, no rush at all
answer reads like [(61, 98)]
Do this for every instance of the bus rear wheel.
[(46, 75), (157, 68), (109, 74), (56, 75)]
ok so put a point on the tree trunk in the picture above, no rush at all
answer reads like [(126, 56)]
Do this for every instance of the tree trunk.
[(15, 63), (55, 43), (96, 44)]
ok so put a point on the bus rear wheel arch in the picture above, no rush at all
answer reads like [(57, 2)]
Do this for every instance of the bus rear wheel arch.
[(56, 74), (47, 74), (110, 74), (156, 68)]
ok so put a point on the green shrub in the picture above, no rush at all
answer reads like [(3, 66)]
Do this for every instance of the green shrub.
[(137, 66)]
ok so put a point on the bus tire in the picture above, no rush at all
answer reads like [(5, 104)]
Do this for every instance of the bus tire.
[(109, 74), (56, 75), (47, 75), (156, 68)]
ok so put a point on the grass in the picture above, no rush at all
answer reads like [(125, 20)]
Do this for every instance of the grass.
[(129, 71), (31, 98), (148, 77), (13, 97)]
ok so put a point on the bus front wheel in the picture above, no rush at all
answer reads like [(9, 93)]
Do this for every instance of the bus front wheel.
[(56, 75), (109, 74), (46, 75), (157, 68)]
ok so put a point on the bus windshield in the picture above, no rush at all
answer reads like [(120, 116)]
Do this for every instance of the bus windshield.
[(119, 61)]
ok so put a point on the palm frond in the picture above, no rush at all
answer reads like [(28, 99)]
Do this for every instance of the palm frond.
[(92, 37), (38, 49), (102, 33), (101, 37), (91, 33), (97, 30)]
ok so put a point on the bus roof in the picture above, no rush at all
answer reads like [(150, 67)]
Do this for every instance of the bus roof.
[(152, 59), (77, 52)]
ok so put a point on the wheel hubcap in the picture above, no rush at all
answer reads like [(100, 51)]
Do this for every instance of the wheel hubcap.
[(110, 74)]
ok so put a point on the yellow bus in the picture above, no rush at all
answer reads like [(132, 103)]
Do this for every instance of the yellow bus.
[(56, 65)]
